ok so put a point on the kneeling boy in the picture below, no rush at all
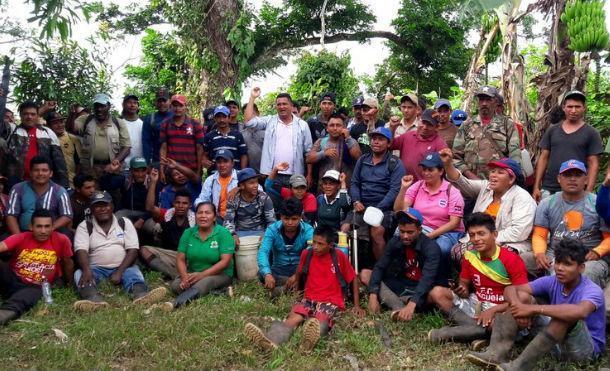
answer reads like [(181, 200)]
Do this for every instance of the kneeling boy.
[(324, 273)]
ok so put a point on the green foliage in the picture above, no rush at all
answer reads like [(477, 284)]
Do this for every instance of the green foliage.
[(489, 20), (598, 104), (436, 54), (66, 73), (534, 57), (57, 16), (164, 63), (320, 73)]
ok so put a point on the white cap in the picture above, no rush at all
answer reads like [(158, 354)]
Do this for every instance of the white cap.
[(332, 174)]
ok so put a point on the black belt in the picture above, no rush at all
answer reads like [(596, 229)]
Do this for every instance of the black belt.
[(106, 162)]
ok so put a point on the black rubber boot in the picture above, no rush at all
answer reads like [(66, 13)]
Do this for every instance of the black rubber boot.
[(538, 347), (6, 316), (502, 339), (389, 298), (157, 265), (91, 300), (186, 297), (278, 334), (461, 318), (462, 334)]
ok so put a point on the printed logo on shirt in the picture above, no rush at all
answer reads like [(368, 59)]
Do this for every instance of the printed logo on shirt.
[(214, 245), (442, 203), (32, 264), (120, 234), (189, 130)]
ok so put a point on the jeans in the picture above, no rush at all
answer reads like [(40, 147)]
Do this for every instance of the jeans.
[(447, 241), (19, 296), (130, 277)]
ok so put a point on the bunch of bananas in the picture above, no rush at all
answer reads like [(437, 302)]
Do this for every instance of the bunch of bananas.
[(488, 21), (586, 22)]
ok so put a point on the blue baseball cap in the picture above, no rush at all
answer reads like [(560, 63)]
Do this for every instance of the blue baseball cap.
[(414, 214), (383, 131), (431, 160), (442, 102), (245, 174), (458, 117), (223, 153), (221, 109), (572, 164)]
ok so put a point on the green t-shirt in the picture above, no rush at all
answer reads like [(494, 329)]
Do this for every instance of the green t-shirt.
[(201, 255)]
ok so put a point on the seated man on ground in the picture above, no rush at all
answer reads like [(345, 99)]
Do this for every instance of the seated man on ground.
[(250, 211), (39, 193), (323, 274), (570, 214), (565, 310), (107, 248), (204, 260), (280, 250), (334, 202), (298, 190), (407, 271), (172, 222), (488, 270), (37, 256)]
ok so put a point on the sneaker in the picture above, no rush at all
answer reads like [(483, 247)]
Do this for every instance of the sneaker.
[(257, 336), (151, 297), (89, 306), (311, 334)]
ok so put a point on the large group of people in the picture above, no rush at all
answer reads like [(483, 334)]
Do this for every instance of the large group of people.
[(440, 205)]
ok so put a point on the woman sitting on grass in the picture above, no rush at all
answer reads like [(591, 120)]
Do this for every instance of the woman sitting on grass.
[(205, 258)]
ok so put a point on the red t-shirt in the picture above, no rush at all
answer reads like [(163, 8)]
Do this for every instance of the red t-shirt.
[(32, 259), (309, 202), (32, 151), (412, 270), (413, 149), (322, 283), (489, 290), (485, 122)]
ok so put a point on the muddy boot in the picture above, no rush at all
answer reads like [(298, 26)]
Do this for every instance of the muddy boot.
[(277, 334), (313, 330), (536, 349), (6, 316), (141, 295), (502, 338), (186, 297), (91, 300), (159, 266), (461, 318), (389, 298), (461, 334)]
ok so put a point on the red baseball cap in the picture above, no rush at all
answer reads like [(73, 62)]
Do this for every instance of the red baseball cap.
[(178, 98)]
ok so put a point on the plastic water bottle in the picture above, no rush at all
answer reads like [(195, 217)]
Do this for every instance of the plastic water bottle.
[(204, 175), (46, 292)]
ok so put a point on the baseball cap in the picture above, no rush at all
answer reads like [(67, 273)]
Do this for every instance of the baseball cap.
[(223, 153), (572, 164), (458, 117), (298, 180), (221, 109), (371, 102), (428, 116), (488, 91), (431, 160), (131, 96), (442, 102), (101, 98), (179, 98), (138, 163), (412, 97), (414, 214), (574, 93), (331, 174), (162, 94), (507, 163), (328, 96), (383, 131), (359, 101), (101, 196), (245, 174), (52, 116)]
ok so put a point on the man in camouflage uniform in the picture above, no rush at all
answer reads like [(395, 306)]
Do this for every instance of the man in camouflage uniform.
[(485, 137)]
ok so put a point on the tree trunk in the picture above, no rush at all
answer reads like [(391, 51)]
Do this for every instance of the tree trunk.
[(561, 76)]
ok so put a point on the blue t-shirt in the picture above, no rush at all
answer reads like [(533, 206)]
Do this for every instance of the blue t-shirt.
[(168, 193), (551, 288)]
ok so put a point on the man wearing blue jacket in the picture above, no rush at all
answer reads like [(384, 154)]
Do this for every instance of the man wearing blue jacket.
[(375, 183), (282, 244)]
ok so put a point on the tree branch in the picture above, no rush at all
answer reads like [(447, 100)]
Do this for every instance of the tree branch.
[(357, 36)]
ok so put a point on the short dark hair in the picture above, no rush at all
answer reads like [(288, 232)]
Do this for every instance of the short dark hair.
[(576, 97), (422, 102), (204, 203), (37, 160), (243, 108), (80, 179), (183, 192), (336, 115), (8, 110), (481, 220), (284, 95), (403, 218), (570, 249), (291, 207), (40, 213), (28, 104), (326, 231)]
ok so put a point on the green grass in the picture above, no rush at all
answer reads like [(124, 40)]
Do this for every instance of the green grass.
[(209, 334)]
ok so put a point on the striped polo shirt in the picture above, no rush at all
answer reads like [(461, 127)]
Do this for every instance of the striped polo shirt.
[(23, 200), (182, 140), (233, 141)]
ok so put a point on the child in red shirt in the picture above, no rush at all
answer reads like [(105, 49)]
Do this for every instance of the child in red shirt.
[(298, 189), (323, 295)]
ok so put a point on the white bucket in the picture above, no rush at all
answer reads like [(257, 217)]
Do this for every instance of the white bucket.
[(373, 216), (245, 258)]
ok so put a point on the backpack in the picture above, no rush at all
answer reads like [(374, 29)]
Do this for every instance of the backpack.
[(391, 164), (121, 222), (340, 278)]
